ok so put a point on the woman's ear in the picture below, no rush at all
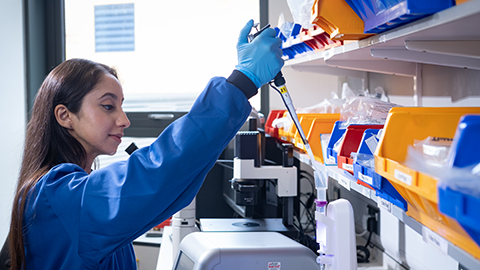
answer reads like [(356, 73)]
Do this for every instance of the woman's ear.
[(63, 116)]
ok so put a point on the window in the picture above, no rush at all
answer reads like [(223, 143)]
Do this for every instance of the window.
[(166, 51), (114, 28)]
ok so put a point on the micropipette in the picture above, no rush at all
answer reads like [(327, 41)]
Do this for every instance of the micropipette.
[(278, 84)]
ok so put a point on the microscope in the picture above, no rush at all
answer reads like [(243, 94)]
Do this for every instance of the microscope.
[(335, 231), (263, 188), (255, 241), (249, 175)]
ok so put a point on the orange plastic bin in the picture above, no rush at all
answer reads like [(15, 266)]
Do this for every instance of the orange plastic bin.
[(404, 125)]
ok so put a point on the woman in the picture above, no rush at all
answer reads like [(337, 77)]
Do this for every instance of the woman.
[(65, 215)]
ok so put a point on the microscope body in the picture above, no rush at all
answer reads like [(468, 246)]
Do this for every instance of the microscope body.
[(251, 174)]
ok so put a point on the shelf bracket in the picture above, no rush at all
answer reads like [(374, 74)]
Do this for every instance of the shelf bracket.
[(418, 85), (379, 66), (462, 48), (426, 58)]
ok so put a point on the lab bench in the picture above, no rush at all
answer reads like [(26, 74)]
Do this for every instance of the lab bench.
[(147, 248)]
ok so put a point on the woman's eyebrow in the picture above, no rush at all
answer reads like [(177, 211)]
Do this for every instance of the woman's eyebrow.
[(112, 95), (109, 94)]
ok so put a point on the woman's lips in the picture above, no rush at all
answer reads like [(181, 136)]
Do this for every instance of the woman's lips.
[(117, 137)]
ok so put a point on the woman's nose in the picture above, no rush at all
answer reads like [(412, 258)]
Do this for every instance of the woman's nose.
[(123, 120)]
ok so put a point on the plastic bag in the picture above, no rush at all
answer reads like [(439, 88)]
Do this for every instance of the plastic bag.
[(285, 27), (338, 143), (301, 11), (434, 150), (465, 180), (363, 109), (283, 122), (364, 160)]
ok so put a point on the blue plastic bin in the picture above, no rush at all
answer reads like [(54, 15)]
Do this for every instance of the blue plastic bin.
[(382, 186), (463, 207), (293, 45), (337, 133), (382, 15), (465, 147)]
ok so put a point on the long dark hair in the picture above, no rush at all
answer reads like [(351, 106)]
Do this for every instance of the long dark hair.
[(47, 143)]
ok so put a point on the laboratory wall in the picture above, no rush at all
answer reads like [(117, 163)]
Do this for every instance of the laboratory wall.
[(440, 86), (12, 104)]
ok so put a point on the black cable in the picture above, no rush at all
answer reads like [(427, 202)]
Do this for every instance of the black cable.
[(274, 87), (311, 198), (310, 180), (363, 254), (307, 173), (304, 238), (369, 238), (299, 221), (311, 218)]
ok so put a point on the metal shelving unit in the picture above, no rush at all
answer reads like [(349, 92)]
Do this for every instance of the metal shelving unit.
[(349, 182), (449, 38)]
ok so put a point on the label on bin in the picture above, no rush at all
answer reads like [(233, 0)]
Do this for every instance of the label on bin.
[(365, 178), (385, 205), (348, 167), (344, 182), (405, 178), (435, 240), (366, 192)]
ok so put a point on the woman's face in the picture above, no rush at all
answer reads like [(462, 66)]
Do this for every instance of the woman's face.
[(99, 124)]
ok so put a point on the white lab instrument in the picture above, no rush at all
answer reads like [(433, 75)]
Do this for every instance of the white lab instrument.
[(286, 176), (244, 250), (336, 236), (183, 223), (246, 225)]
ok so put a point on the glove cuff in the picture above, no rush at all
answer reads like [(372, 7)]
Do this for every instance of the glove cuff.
[(250, 75), (244, 83)]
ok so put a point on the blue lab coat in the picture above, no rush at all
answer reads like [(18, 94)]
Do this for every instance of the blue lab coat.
[(74, 220)]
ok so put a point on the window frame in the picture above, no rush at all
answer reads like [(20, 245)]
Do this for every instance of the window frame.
[(45, 42)]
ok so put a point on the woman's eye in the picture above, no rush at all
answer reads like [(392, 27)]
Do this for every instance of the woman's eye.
[(108, 107)]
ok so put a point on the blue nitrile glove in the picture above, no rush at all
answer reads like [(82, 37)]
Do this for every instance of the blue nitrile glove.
[(261, 59)]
